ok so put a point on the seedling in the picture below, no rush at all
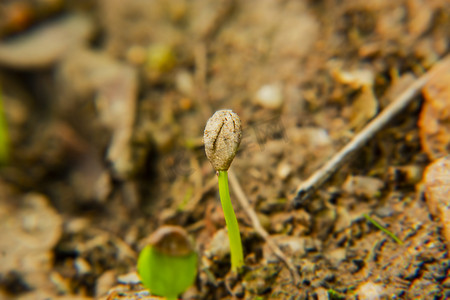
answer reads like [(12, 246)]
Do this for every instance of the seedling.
[(333, 295), (222, 137), (379, 226), (4, 136), (168, 264)]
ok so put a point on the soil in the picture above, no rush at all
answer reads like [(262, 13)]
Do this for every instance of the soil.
[(105, 103)]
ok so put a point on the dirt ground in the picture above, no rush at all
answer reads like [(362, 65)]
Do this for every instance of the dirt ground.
[(105, 103)]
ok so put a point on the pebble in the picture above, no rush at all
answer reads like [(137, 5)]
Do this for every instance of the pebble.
[(270, 96), (363, 186), (369, 291), (284, 169), (129, 278), (292, 246), (336, 256), (310, 138), (355, 78), (185, 83)]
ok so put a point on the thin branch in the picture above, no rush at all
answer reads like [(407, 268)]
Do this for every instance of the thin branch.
[(309, 186), (243, 201)]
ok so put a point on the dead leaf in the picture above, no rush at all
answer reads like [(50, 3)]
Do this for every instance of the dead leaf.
[(434, 121), (437, 192), (47, 44)]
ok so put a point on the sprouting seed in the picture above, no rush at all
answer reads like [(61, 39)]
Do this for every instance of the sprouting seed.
[(222, 137)]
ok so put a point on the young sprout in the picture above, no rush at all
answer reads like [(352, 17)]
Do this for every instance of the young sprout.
[(168, 264), (222, 137), (4, 136), (379, 226)]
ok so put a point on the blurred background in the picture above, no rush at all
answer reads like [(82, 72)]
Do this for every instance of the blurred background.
[(103, 105)]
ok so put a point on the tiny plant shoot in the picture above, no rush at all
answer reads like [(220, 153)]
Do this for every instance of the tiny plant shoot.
[(168, 264), (4, 136), (379, 226), (222, 137)]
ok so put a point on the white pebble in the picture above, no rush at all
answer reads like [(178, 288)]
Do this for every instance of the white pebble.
[(370, 291), (284, 170), (270, 96)]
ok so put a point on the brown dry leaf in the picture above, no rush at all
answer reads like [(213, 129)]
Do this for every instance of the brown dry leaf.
[(47, 44), (434, 121), (437, 192)]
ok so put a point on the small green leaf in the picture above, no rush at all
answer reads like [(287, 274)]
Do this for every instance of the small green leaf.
[(166, 275)]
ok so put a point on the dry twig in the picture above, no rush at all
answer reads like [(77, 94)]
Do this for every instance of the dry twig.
[(309, 186), (243, 201)]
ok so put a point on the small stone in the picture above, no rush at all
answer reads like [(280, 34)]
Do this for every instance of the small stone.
[(336, 256), (355, 78), (270, 96), (370, 291), (284, 170), (185, 83), (321, 294), (82, 266), (292, 246), (363, 186), (310, 138), (129, 278)]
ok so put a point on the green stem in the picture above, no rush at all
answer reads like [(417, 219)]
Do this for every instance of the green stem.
[(4, 134), (379, 226), (237, 256)]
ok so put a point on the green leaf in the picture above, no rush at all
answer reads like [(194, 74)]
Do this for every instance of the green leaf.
[(166, 275)]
